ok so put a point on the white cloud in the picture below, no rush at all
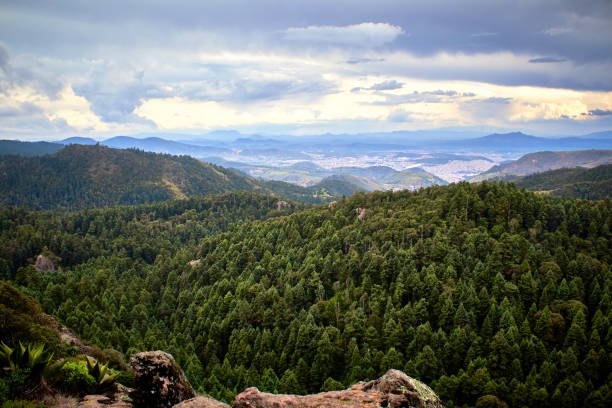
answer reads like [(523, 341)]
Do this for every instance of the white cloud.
[(363, 35), (554, 31)]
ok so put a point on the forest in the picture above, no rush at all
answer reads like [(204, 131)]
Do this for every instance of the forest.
[(475, 289), (104, 177)]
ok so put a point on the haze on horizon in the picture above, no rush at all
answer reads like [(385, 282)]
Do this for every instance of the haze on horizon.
[(303, 67)]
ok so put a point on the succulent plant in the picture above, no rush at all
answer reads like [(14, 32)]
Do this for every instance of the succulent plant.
[(100, 372)]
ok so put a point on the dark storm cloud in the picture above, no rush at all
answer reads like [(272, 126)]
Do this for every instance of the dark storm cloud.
[(575, 30)]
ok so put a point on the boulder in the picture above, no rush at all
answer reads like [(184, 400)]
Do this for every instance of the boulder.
[(201, 402), (394, 389), (158, 380)]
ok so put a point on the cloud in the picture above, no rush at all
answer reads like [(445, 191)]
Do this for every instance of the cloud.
[(354, 61), (484, 34), (555, 31), (399, 116), (359, 35), (387, 85), (599, 112), (546, 60), (4, 59), (499, 100), (24, 109), (242, 90), (437, 96)]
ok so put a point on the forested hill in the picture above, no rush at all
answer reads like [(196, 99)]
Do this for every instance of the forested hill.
[(549, 160), (79, 177), (577, 182), (476, 289)]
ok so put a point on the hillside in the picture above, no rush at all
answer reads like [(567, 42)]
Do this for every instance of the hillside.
[(543, 161), (411, 179), (577, 182), (15, 147), (485, 291), (79, 177)]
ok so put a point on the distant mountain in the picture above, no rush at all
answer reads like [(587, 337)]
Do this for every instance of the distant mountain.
[(518, 142), (79, 177), (577, 182), (16, 147), (607, 134), (158, 145), (79, 140), (543, 161)]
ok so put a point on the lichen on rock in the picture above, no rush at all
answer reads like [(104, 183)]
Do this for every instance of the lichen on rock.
[(394, 390), (158, 380)]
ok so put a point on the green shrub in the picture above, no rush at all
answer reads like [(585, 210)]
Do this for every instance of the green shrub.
[(14, 383), (73, 378), (21, 404)]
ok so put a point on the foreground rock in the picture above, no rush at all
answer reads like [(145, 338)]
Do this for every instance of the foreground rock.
[(158, 380), (201, 402), (394, 389)]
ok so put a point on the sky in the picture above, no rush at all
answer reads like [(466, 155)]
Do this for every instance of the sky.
[(99, 69)]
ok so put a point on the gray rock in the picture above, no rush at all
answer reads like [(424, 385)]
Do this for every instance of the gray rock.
[(159, 381)]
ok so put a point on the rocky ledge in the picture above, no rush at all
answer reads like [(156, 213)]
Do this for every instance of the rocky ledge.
[(159, 382), (394, 389)]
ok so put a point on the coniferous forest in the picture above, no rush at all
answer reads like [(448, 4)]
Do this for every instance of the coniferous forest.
[(475, 289)]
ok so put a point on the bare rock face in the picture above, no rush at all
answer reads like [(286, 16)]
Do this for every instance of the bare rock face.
[(159, 381), (394, 390), (282, 204), (201, 402), (43, 264)]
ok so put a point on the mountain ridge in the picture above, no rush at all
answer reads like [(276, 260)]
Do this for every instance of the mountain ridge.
[(80, 176)]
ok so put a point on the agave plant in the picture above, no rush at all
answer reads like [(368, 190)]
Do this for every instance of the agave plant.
[(30, 357), (100, 373)]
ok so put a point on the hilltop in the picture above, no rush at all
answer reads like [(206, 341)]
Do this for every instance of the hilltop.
[(577, 182), (80, 176)]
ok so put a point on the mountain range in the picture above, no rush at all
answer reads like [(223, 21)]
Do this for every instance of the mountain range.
[(548, 160)]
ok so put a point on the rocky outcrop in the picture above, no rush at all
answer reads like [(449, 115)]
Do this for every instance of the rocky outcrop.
[(394, 389), (362, 213), (158, 380), (43, 263), (281, 204), (201, 402)]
